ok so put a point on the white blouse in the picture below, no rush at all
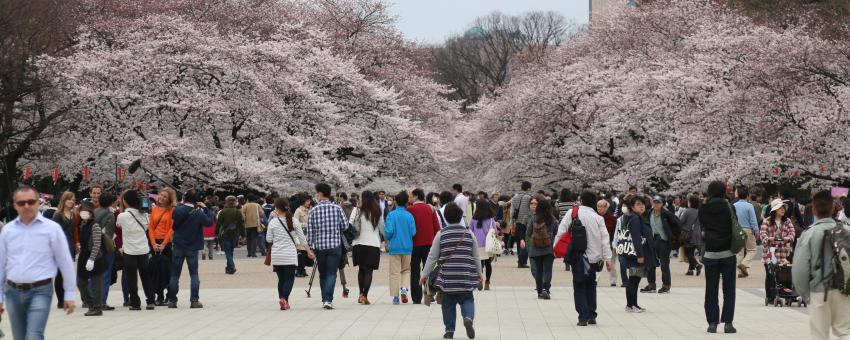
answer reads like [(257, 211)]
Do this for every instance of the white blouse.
[(369, 236)]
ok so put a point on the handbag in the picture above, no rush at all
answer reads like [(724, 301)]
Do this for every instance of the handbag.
[(739, 239), (493, 245)]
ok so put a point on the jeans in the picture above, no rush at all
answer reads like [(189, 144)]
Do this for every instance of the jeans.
[(227, 245), (543, 272), (328, 262), (160, 268), (662, 248), (521, 253), (137, 265), (715, 270), (285, 280), (191, 258), (623, 266), (28, 311), (417, 261), (261, 242), (467, 308), (251, 236), (107, 275), (584, 293)]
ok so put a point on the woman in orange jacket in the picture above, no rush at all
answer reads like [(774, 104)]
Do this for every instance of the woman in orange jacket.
[(160, 232)]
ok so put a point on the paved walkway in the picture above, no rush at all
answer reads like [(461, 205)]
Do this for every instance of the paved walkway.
[(244, 306)]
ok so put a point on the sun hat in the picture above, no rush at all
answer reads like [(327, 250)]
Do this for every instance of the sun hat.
[(776, 204)]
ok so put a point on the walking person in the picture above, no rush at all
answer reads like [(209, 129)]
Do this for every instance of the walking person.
[(541, 233), (136, 250), (482, 223), (814, 265), (92, 261), (105, 217), (252, 214), (455, 252), (639, 235), (691, 232), (400, 230), (189, 220), (776, 235), (325, 224), (229, 228), (284, 239), (507, 225), (210, 239), (603, 209), (427, 225), (521, 214), (460, 199), (300, 219), (746, 214), (27, 274), (66, 217), (715, 217), (586, 265), (366, 250), (665, 231), (161, 233)]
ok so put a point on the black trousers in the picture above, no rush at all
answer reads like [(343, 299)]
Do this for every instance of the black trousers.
[(137, 265), (159, 267), (251, 236), (715, 270), (60, 291), (417, 261)]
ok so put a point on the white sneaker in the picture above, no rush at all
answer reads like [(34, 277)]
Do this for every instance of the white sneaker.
[(328, 305), (635, 310)]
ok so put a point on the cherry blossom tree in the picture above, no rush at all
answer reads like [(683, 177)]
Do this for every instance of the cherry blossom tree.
[(670, 95)]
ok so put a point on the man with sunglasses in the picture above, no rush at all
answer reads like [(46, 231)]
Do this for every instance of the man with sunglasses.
[(32, 249)]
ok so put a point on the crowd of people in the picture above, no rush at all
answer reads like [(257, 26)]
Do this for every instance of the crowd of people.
[(440, 246)]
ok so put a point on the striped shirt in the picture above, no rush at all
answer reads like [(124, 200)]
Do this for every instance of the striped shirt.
[(521, 210), (284, 251), (325, 223), (563, 207), (456, 248)]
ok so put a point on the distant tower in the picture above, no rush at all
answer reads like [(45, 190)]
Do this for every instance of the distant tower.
[(598, 7)]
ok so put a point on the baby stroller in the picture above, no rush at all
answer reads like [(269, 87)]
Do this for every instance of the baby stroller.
[(785, 294)]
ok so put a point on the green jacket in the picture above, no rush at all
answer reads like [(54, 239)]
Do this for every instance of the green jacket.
[(806, 272), (226, 217)]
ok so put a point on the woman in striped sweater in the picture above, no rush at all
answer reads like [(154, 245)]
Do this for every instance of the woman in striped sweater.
[(284, 240)]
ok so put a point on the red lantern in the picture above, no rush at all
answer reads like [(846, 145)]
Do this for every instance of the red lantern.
[(775, 172), (86, 172), (27, 173), (796, 173), (55, 175)]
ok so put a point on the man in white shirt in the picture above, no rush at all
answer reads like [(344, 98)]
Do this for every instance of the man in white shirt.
[(460, 199), (585, 268), (32, 249)]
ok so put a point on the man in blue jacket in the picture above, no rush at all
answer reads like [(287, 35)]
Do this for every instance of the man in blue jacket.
[(189, 221), (400, 229)]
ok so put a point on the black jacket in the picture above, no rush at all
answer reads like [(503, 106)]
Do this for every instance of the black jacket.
[(715, 217), (671, 224)]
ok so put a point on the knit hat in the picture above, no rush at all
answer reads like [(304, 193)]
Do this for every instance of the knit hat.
[(776, 204)]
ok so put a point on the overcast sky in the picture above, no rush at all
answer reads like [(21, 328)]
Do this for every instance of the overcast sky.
[(432, 21)]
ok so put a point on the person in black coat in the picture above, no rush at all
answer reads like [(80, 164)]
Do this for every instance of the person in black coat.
[(665, 238), (644, 254), (189, 221), (715, 217)]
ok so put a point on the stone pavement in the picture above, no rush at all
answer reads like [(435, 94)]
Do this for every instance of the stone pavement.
[(244, 306)]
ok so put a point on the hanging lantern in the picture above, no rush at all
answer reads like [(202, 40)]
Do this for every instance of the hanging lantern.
[(86, 172), (27, 173), (796, 173), (775, 172), (55, 175)]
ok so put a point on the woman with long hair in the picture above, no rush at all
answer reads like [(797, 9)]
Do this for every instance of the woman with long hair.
[(305, 202), (160, 232), (777, 235), (541, 236), (284, 239), (484, 220), (67, 218), (366, 251)]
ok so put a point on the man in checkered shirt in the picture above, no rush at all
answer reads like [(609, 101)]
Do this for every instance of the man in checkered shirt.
[(325, 224)]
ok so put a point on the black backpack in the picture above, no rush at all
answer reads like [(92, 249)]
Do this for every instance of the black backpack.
[(839, 239), (578, 244)]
